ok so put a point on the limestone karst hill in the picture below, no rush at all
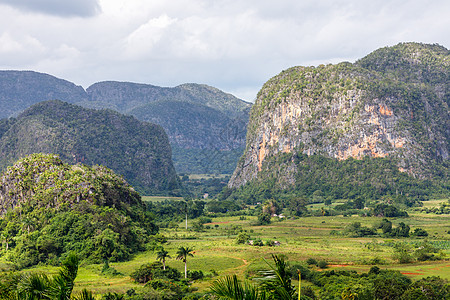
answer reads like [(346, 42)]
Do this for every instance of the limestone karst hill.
[(139, 151), (374, 123)]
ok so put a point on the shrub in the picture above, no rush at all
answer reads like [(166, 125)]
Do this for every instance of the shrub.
[(420, 232), (242, 237), (322, 264), (145, 272), (311, 261), (195, 275)]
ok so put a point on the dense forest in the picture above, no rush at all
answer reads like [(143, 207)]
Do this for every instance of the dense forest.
[(139, 151), (50, 208)]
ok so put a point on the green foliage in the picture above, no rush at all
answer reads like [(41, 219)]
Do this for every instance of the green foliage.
[(264, 218), (145, 272), (40, 286), (55, 208), (356, 230), (411, 79), (139, 151), (242, 237), (356, 180), (402, 253), (230, 287)]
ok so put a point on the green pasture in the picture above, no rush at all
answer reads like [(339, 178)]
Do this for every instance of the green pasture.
[(159, 198), (216, 252)]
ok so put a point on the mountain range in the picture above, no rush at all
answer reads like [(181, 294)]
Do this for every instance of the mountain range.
[(206, 127)]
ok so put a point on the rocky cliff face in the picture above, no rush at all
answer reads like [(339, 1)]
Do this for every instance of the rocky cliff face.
[(392, 103)]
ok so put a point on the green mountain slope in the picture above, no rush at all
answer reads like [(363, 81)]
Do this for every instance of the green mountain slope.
[(204, 154), (137, 150), (391, 107), (50, 208), (206, 127)]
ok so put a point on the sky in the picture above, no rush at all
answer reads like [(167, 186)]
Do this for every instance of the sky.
[(235, 46)]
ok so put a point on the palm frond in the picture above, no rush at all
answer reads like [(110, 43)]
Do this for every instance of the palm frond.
[(230, 287)]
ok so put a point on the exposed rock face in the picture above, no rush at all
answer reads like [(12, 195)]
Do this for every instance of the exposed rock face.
[(393, 103)]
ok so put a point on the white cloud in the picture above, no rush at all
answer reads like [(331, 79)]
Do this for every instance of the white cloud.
[(233, 45)]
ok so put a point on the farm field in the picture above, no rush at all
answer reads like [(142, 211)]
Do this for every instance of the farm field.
[(216, 252)]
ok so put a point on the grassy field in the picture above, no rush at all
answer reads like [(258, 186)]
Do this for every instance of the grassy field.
[(216, 252), (159, 198)]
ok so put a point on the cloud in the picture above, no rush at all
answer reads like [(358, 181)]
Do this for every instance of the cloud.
[(66, 8), (233, 45)]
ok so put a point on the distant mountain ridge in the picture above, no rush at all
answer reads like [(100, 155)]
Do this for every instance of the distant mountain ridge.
[(203, 120), (139, 151)]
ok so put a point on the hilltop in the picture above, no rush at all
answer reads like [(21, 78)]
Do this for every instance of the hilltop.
[(206, 126), (50, 208), (139, 151), (373, 128)]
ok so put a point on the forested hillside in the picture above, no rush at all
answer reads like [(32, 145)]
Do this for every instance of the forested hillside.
[(50, 208), (389, 109), (205, 125), (139, 151)]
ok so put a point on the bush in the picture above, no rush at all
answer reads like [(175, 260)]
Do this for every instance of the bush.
[(145, 272), (322, 264), (402, 253), (195, 275), (270, 243), (264, 219), (420, 232), (311, 261), (258, 242), (242, 237)]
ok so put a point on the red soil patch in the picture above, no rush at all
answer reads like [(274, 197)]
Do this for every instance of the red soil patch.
[(338, 266), (411, 273)]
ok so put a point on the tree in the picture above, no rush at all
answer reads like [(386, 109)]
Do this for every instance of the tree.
[(231, 288), (40, 286), (264, 218), (275, 284), (161, 256), (182, 254), (402, 253), (277, 281)]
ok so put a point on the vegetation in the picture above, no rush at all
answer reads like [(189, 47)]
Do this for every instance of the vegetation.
[(320, 178), (51, 208), (138, 151), (182, 254), (309, 125)]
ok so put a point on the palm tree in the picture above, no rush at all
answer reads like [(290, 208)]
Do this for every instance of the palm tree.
[(39, 286), (277, 281), (84, 295), (231, 288), (162, 255), (182, 254), (275, 284), (63, 283), (33, 286)]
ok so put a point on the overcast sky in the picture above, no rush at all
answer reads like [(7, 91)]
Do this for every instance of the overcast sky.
[(233, 45)]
